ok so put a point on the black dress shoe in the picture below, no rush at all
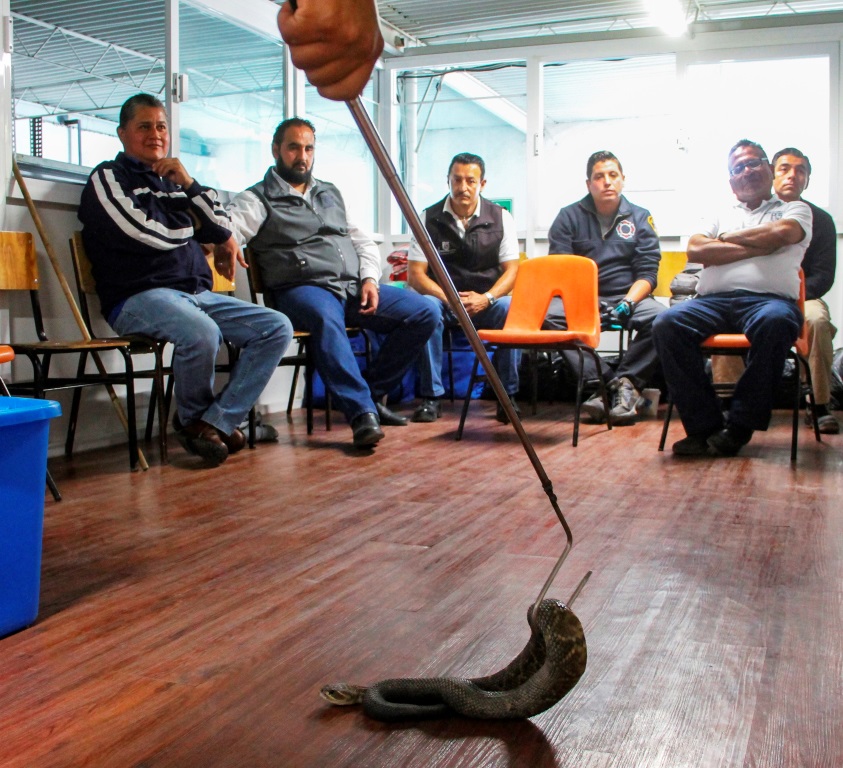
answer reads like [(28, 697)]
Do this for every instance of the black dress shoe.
[(201, 439), (728, 441), (365, 430), (500, 414), (236, 441), (389, 418), (429, 410)]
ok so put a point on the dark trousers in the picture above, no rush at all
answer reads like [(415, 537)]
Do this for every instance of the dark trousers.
[(640, 360), (770, 322), (403, 317)]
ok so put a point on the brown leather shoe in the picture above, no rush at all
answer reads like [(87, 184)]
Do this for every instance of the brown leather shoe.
[(236, 441), (201, 439)]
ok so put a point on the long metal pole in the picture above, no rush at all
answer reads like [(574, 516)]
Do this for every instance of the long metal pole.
[(387, 169)]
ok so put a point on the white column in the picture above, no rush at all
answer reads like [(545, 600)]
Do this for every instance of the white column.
[(534, 149), (171, 67), (5, 103)]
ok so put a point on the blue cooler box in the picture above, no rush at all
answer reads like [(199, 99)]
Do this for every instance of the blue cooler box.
[(24, 433)]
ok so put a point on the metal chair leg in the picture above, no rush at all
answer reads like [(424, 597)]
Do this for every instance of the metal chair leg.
[(471, 382), (54, 489)]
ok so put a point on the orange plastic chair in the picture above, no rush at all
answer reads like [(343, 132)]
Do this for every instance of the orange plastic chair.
[(574, 279), (739, 344)]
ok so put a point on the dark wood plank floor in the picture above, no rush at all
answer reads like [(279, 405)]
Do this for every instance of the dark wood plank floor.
[(189, 617)]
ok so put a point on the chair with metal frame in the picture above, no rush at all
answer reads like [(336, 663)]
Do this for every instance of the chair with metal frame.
[(574, 279), (138, 345), (738, 344), (19, 272), (301, 358)]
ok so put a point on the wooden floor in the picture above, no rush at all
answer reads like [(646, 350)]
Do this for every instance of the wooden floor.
[(190, 616)]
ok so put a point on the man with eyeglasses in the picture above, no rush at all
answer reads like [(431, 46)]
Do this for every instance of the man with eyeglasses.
[(751, 253), (791, 174)]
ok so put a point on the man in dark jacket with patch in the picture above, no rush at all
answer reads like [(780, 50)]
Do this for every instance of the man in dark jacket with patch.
[(621, 238)]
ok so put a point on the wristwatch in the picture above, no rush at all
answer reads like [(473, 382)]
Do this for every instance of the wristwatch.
[(492, 299)]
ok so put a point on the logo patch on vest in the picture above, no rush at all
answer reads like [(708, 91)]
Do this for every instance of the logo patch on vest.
[(446, 247), (625, 229)]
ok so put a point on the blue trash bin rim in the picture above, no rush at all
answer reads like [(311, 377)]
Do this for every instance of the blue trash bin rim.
[(22, 410)]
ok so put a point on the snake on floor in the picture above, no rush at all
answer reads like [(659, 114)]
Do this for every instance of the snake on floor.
[(550, 665)]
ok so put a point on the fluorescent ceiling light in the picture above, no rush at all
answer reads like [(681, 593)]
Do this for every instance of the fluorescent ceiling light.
[(667, 15)]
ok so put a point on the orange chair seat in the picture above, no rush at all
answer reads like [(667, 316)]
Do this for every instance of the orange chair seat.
[(7, 354), (727, 341), (538, 338)]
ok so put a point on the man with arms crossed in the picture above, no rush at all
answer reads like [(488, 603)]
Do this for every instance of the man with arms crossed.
[(751, 253)]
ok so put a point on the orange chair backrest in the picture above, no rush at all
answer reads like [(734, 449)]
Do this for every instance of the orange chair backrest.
[(573, 278), (18, 264)]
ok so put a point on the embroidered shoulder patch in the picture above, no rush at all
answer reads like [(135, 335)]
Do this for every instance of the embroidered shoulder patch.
[(626, 229)]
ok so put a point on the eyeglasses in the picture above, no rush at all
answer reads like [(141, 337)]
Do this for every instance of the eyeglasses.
[(756, 162)]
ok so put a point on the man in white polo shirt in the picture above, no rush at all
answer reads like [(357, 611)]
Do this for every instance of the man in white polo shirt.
[(751, 253)]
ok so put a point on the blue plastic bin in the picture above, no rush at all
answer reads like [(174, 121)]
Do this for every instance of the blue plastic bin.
[(24, 433)]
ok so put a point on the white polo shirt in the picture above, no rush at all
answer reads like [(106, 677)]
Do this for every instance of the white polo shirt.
[(777, 272)]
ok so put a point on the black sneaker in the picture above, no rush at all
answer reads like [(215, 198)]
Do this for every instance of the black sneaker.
[(428, 410), (624, 397)]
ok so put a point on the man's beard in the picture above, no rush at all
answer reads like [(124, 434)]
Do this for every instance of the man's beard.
[(291, 175)]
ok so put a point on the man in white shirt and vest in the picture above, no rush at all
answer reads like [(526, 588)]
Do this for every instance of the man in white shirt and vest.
[(477, 241)]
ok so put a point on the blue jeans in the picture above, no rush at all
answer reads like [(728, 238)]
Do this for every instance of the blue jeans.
[(403, 317), (771, 323), (196, 325), (430, 361)]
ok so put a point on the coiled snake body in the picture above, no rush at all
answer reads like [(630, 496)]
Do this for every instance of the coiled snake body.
[(550, 665)]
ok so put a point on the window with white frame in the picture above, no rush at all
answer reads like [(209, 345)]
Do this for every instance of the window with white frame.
[(479, 109)]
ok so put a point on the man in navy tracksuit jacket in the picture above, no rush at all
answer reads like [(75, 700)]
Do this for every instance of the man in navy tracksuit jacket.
[(621, 239), (144, 218)]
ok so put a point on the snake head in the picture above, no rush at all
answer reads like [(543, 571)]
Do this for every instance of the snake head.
[(342, 694)]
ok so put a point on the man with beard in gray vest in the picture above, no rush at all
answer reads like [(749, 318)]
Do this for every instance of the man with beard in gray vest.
[(323, 272)]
